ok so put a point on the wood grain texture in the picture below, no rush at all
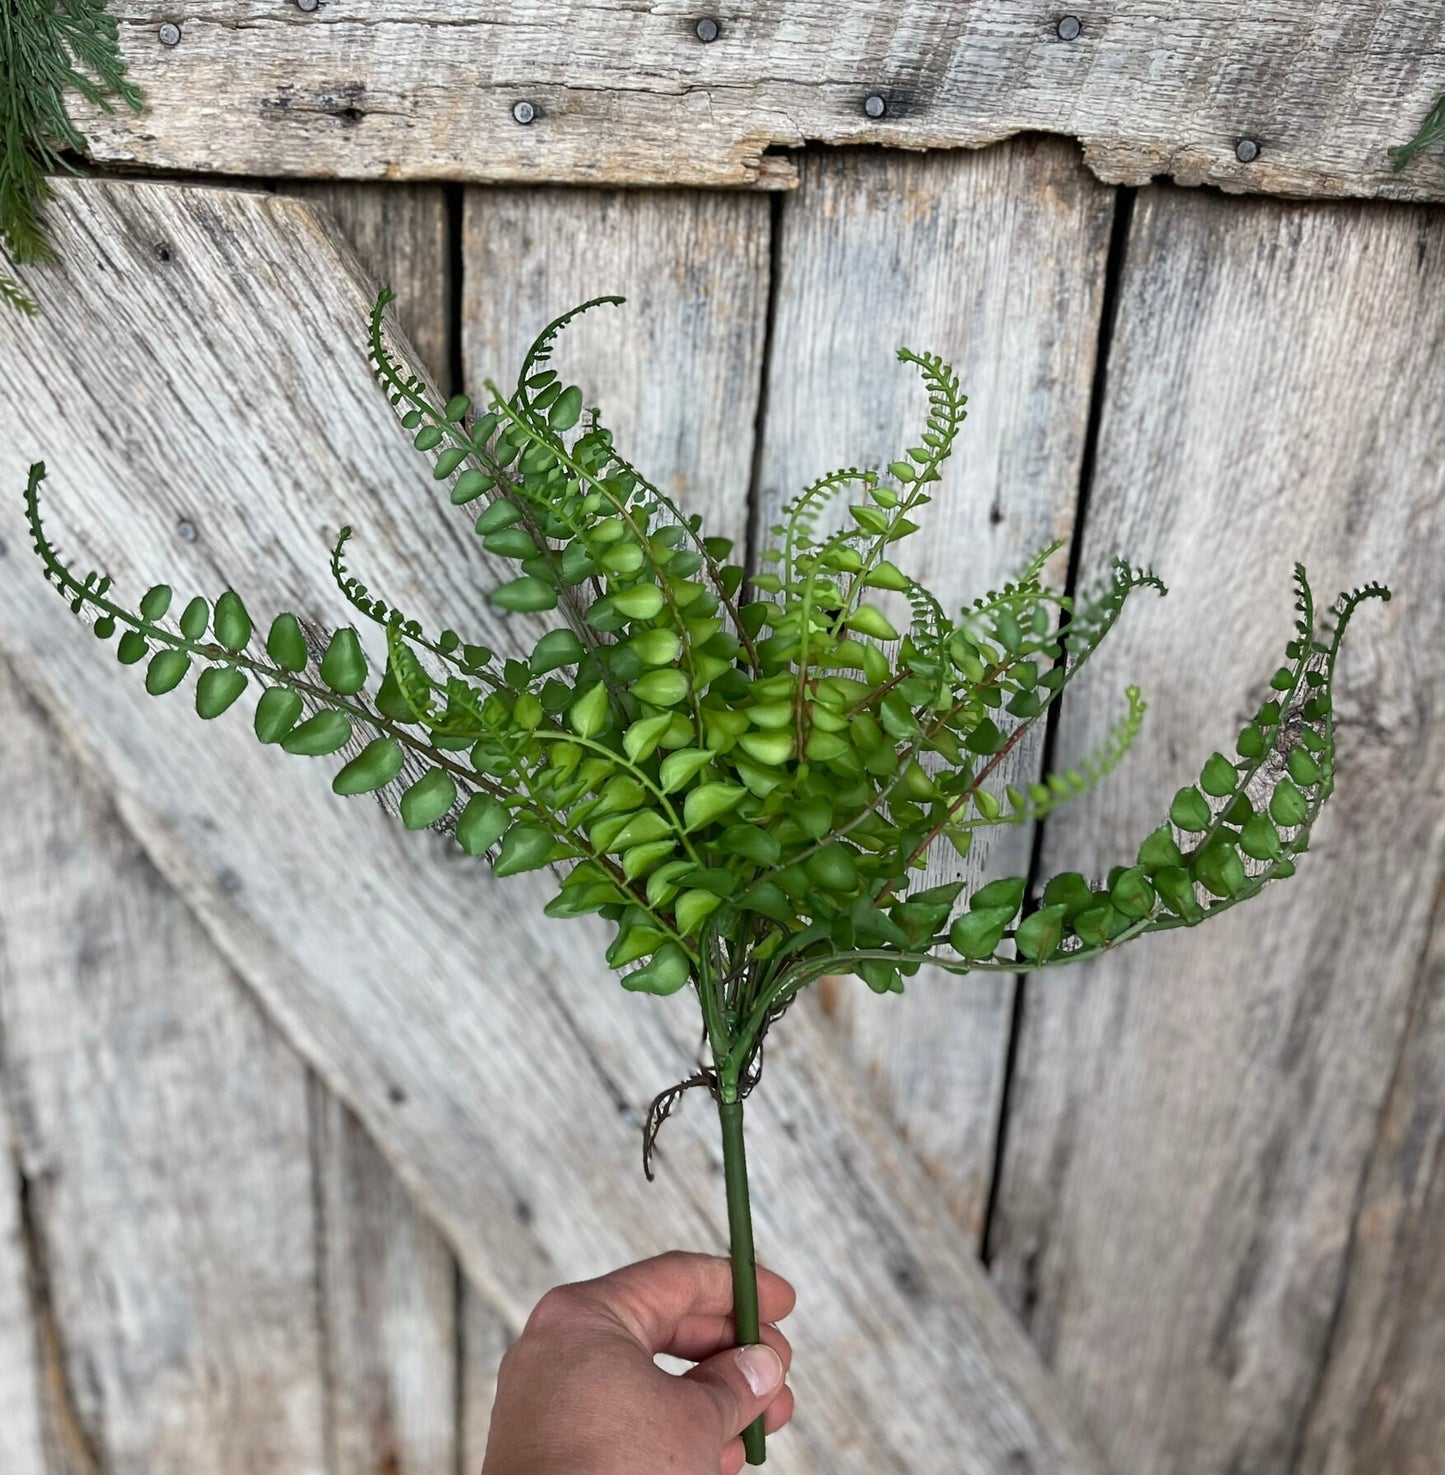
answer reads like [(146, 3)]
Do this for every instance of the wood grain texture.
[(996, 261), (677, 370), (1379, 1405), (163, 1134), (626, 94), (492, 1057), (485, 1336), (1193, 1121), (389, 1285), (22, 1448), (400, 233)]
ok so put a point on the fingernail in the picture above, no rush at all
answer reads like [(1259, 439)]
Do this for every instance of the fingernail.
[(761, 1368)]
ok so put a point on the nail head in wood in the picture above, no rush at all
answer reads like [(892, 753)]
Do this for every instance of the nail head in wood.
[(307, 4), (169, 33), (524, 112), (1069, 28), (1246, 151), (875, 106), (186, 531), (707, 29)]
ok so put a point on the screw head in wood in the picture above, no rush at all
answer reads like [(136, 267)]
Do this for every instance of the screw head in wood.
[(169, 33), (708, 29), (1069, 28), (875, 106), (524, 112), (1246, 151)]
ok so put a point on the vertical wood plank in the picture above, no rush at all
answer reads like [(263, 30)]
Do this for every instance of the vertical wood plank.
[(389, 1279), (1194, 1117), (163, 1130), (389, 1284), (676, 371), (1379, 1404), (389, 960), (399, 233), (485, 1336), (22, 1451), (996, 261)]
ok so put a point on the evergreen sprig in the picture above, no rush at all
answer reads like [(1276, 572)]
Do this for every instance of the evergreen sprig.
[(48, 48), (1432, 130), (749, 792)]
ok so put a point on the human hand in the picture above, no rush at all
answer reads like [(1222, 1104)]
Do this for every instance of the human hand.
[(578, 1393)]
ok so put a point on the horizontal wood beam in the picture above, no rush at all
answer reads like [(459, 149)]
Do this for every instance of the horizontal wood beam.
[(1291, 98)]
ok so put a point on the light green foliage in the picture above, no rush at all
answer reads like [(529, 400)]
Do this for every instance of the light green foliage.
[(47, 48), (746, 791)]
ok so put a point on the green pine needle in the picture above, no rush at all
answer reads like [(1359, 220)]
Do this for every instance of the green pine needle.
[(47, 48), (1432, 130)]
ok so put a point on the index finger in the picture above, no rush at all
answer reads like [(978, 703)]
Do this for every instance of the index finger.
[(652, 1297)]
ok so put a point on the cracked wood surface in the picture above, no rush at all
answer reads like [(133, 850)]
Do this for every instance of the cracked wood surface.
[(22, 1447), (627, 94), (383, 1364), (1195, 1137), (1000, 269), (493, 1058), (162, 1131)]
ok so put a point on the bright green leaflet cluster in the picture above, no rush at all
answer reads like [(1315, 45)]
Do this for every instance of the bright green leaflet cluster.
[(749, 791), (47, 48)]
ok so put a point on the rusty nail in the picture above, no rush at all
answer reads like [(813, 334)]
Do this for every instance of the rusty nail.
[(169, 33), (875, 106), (707, 29), (1069, 28), (524, 112), (1246, 151)]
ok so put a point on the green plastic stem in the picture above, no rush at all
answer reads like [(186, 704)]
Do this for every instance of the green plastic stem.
[(740, 1246)]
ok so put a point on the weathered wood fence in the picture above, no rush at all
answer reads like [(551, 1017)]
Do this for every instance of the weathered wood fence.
[(303, 1114)]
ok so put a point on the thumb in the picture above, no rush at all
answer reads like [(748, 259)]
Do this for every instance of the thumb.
[(742, 1383)]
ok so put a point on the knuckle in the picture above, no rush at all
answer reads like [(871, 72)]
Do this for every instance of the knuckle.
[(558, 1307)]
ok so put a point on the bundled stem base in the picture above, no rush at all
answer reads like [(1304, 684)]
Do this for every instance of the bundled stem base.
[(740, 1248)]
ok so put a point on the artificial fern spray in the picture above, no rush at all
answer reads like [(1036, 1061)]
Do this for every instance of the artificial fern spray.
[(748, 791)]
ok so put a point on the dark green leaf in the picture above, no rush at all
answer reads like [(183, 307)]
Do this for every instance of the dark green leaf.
[(1190, 810), (482, 823), (324, 733), (286, 645), (233, 624), (343, 667), (277, 713), (428, 799), (166, 671), (1040, 934), (217, 688), (1287, 806), (375, 766)]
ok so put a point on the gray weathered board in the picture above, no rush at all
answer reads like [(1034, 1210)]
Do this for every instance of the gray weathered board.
[(1222, 1149), (628, 94), (995, 260), (363, 1319), (497, 1064)]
